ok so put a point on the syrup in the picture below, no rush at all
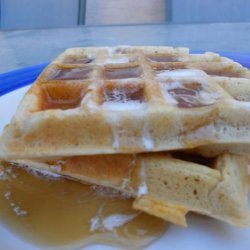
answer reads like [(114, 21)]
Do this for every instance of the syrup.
[(61, 96), (53, 212), (122, 73), (81, 73), (123, 94), (223, 72), (78, 60), (162, 58)]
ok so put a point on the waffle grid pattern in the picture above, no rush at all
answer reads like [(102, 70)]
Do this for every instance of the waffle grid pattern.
[(131, 100), (130, 75)]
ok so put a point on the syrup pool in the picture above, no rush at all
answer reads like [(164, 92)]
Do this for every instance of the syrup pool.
[(50, 211)]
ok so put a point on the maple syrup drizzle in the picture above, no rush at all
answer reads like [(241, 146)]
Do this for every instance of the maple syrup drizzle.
[(61, 96), (122, 93), (223, 72), (188, 96), (122, 73), (56, 212), (78, 60), (162, 58), (81, 73)]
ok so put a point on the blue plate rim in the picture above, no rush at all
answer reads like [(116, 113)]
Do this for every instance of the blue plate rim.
[(16, 79)]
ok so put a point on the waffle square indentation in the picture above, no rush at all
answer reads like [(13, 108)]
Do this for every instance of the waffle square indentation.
[(122, 73), (61, 96), (188, 94), (78, 60), (119, 96), (161, 58), (81, 73)]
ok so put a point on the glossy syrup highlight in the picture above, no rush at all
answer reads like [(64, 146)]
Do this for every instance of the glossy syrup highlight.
[(54, 212)]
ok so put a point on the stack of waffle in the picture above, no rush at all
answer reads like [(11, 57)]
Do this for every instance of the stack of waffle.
[(168, 127)]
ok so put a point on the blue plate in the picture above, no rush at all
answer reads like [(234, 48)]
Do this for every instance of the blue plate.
[(18, 78)]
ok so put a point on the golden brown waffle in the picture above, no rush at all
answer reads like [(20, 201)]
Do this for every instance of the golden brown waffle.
[(131, 100), (166, 185)]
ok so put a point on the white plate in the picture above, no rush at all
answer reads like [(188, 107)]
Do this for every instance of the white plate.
[(203, 233)]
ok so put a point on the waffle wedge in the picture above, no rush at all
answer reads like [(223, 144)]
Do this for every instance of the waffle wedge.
[(166, 185), (131, 100)]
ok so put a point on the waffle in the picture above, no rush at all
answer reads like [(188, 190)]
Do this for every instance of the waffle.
[(166, 185), (131, 100)]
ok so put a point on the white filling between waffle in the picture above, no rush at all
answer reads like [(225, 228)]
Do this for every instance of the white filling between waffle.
[(143, 188), (122, 106), (146, 139), (183, 73), (118, 60), (114, 121)]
